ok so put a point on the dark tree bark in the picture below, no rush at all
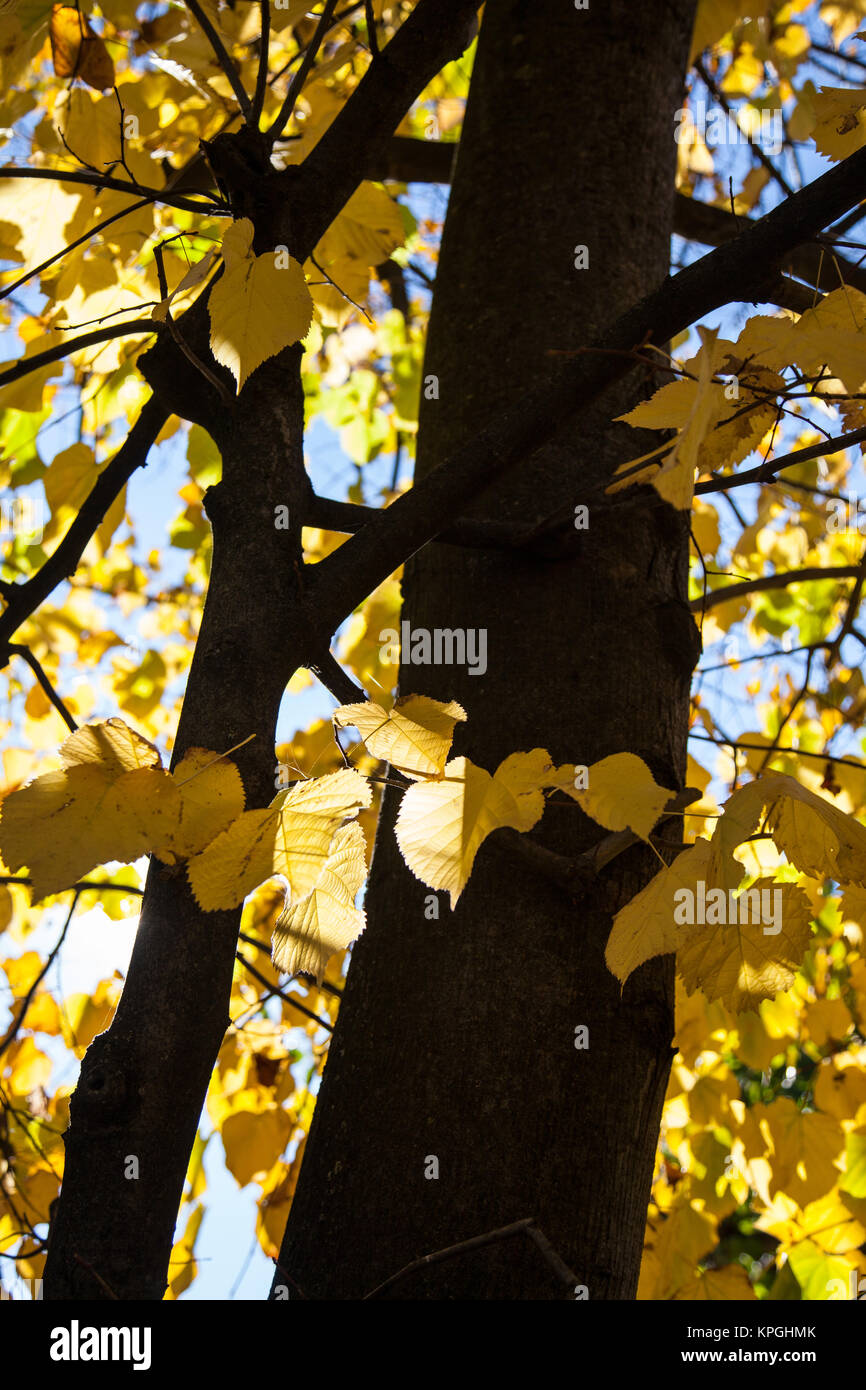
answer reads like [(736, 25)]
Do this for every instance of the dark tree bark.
[(456, 1036)]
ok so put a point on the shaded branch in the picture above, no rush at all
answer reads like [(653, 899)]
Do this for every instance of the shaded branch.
[(764, 472), (576, 874), (851, 610), (23, 599), (70, 246), (78, 887), (738, 270), (526, 1227), (222, 56), (300, 77), (436, 33), (349, 517), (780, 580), (35, 666), (26, 365), (697, 221), (262, 76), (147, 195), (276, 992), (777, 748), (332, 676), (720, 97)]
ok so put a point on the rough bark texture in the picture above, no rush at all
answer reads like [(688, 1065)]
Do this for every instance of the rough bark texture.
[(456, 1036)]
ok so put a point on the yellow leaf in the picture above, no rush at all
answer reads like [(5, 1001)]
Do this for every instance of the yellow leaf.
[(622, 793), (211, 797), (237, 243), (309, 932), (442, 824), (77, 51), (112, 744), (804, 1145), (692, 408), (260, 306), (816, 836), (65, 823), (645, 927), (182, 1267), (414, 737), (253, 1141), (819, 1275), (367, 230), (742, 963), (291, 837), (730, 1284), (841, 120)]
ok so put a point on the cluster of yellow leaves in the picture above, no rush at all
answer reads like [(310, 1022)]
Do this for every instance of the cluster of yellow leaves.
[(112, 799), (718, 423), (739, 1155), (742, 962)]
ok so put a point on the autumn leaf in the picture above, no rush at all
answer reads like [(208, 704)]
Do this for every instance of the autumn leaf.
[(308, 932), (441, 825), (111, 745), (646, 927), (291, 837), (742, 963), (77, 51), (211, 797), (414, 737), (621, 793), (816, 836), (259, 306), (689, 406)]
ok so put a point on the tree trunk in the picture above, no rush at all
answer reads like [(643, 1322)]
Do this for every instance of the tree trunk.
[(456, 1036)]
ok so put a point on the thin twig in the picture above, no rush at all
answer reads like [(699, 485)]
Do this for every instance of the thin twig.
[(300, 77), (278, 993), (27, 1000), (35, 666), (526, 1227), (222, 57), (262, 76)]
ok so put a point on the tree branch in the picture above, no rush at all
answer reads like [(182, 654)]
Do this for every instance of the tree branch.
[(97, 180), (26, 365), (771, 581), (332, 676), (26, 1001), (436, 32), (92, 883), (697, 221), (35, 666), (349, 517), (765, 472), (575, 875), (262, 77), (79, 241), (23, 599), (222, 56), (279, 994), (851, 610), (300, 77), (739, 270)]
